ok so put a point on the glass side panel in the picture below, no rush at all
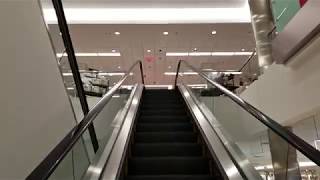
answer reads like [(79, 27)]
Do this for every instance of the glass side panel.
[(74, 165), (65, 170), (270, 155)]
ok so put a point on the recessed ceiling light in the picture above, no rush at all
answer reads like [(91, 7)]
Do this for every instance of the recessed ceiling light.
[(113, 50), (165, 33), (119, 67), (149, 51), (214, 32), (195, 49), (117, 33), (243, 49), (169, 67)]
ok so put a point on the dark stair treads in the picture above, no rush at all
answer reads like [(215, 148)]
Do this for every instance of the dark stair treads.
[(170, 177), (163, 112), (165, 142), (163, 119), (156, 127), (168, 165), (157, 137), (167, 149), (162, 106)]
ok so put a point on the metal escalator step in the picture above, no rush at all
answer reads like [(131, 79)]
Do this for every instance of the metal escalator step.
[(157, 137), (168, 165), (166, 149), (163, 119), (164, 127), (170, 177)]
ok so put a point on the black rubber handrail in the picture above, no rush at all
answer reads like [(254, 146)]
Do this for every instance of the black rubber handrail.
[(54, 158), (305, 148)]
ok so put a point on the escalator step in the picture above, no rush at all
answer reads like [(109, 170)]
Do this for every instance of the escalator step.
[(171, 177), (164, 112), (162, 106), (168, 165), (162, 119), (167, 149), (157, 137), (156, 127)]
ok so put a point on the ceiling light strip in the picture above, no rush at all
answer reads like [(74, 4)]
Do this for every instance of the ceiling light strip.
[(151, 15), (208, 54), (107, 54)]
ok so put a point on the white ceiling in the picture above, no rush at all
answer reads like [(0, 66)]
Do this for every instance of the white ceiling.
[(135, 40), (151, 12), (149, 3)]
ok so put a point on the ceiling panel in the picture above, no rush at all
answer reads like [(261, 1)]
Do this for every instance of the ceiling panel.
[(135, 40)]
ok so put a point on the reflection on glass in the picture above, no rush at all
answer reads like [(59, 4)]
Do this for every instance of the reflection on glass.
[(270, 155)]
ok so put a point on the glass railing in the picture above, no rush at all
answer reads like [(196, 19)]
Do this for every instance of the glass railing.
[(273, 150), (71, 158)]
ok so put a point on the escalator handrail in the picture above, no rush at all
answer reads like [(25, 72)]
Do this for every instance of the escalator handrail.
[(309, 151), (56, 156)]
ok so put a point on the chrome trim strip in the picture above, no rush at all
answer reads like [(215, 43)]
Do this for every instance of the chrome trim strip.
[(214, 143), (231, 147), (113, 166)]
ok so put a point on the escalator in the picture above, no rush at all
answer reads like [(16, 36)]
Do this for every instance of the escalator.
[(166, 142), (174, 135)]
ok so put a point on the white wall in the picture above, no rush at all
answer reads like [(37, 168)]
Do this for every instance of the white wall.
[(35, 111), (289, 93)]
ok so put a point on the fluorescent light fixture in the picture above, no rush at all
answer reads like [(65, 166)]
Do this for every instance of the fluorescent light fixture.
[(67, 74), (108, 54), (116, 96), (214, 32), (222, 54), (242, 53), (177, 54), (159, 86), (149, 51), (208, 53), (113, 54), (70, 88), (151, 15), (200, 54), (117, 33), (165, 33)]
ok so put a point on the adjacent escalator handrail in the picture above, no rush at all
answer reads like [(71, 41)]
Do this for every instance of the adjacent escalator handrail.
[(54, 158), (305, 148)]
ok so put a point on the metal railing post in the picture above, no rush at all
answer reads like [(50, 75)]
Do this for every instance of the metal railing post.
[(63, 26)]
